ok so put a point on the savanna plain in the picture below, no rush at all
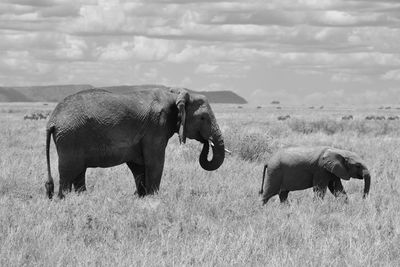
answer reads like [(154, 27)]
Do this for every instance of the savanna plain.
[(199, 217)]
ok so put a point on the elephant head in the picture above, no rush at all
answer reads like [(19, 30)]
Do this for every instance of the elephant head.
[(345, 164), (196, 121)]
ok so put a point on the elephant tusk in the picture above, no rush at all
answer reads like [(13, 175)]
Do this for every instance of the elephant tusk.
[(226, 150), (211, 142)]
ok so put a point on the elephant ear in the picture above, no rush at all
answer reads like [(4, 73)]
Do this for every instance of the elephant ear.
[(181, 101), (334, 162)]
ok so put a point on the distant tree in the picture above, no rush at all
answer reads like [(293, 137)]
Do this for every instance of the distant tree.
[(275, 102)]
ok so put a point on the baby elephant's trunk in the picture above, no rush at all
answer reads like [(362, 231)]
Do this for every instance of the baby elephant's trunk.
[(263, 177), (367, 182)]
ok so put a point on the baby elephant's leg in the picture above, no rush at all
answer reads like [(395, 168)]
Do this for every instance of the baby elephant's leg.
[(320, 183), (319, 192), (272, 188), (267, 195), (336, 188)]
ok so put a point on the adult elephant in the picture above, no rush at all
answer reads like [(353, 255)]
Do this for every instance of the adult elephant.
[(97, 128), (298, 168)]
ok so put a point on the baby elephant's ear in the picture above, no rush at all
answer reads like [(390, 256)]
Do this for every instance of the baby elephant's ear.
[(334, 162)]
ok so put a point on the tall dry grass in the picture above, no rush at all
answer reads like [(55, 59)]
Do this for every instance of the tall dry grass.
[(199, 217)]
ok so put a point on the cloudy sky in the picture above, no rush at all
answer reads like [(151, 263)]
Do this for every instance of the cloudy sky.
[(316, 51)]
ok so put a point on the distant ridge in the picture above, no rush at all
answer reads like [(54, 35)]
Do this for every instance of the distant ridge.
[(55, 93), (48, 93), (227, 97), (11, 95)]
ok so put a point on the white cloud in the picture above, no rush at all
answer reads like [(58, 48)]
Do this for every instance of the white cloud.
[(141, 48), (102, 18), (186, 82), (206, 68), (71, 48), (151, 74), (392, 75), (348, 77), (338, 18), (213, 87)]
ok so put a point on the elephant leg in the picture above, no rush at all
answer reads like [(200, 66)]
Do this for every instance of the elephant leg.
[(283, 195), (153, 171), (66, 178), (65, 187), (79, 183), (154, 156), (319, 192), (138, 172), (269, 192), (320, 183), (336, 188), (69, 170), (272, 187), (267, 197)]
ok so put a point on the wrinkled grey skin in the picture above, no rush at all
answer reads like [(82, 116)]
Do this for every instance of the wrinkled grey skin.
[(97, 128), (298, 168)]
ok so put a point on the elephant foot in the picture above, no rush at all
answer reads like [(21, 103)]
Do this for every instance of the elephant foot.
[(60, 195), (80, 189), (64, 188), (140, 193), (266, 198), (283, 195)]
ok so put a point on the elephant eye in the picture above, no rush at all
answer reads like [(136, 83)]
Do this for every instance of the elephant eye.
[(204, 117)]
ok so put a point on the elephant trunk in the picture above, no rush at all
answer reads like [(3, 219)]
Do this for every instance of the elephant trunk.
[(218, 150), (367, 182)]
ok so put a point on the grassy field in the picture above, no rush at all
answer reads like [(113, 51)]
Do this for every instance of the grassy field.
[(199, 217)]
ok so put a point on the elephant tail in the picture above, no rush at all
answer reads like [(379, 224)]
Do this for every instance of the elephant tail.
[(49, 183), (263, 177)]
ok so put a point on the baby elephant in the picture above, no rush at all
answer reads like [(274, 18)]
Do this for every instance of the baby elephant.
[(297, 168)]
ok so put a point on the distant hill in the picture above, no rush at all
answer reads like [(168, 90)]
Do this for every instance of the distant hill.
[(227, 97), (48, 93), (55, 93), (52, 93), (11, 95)]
